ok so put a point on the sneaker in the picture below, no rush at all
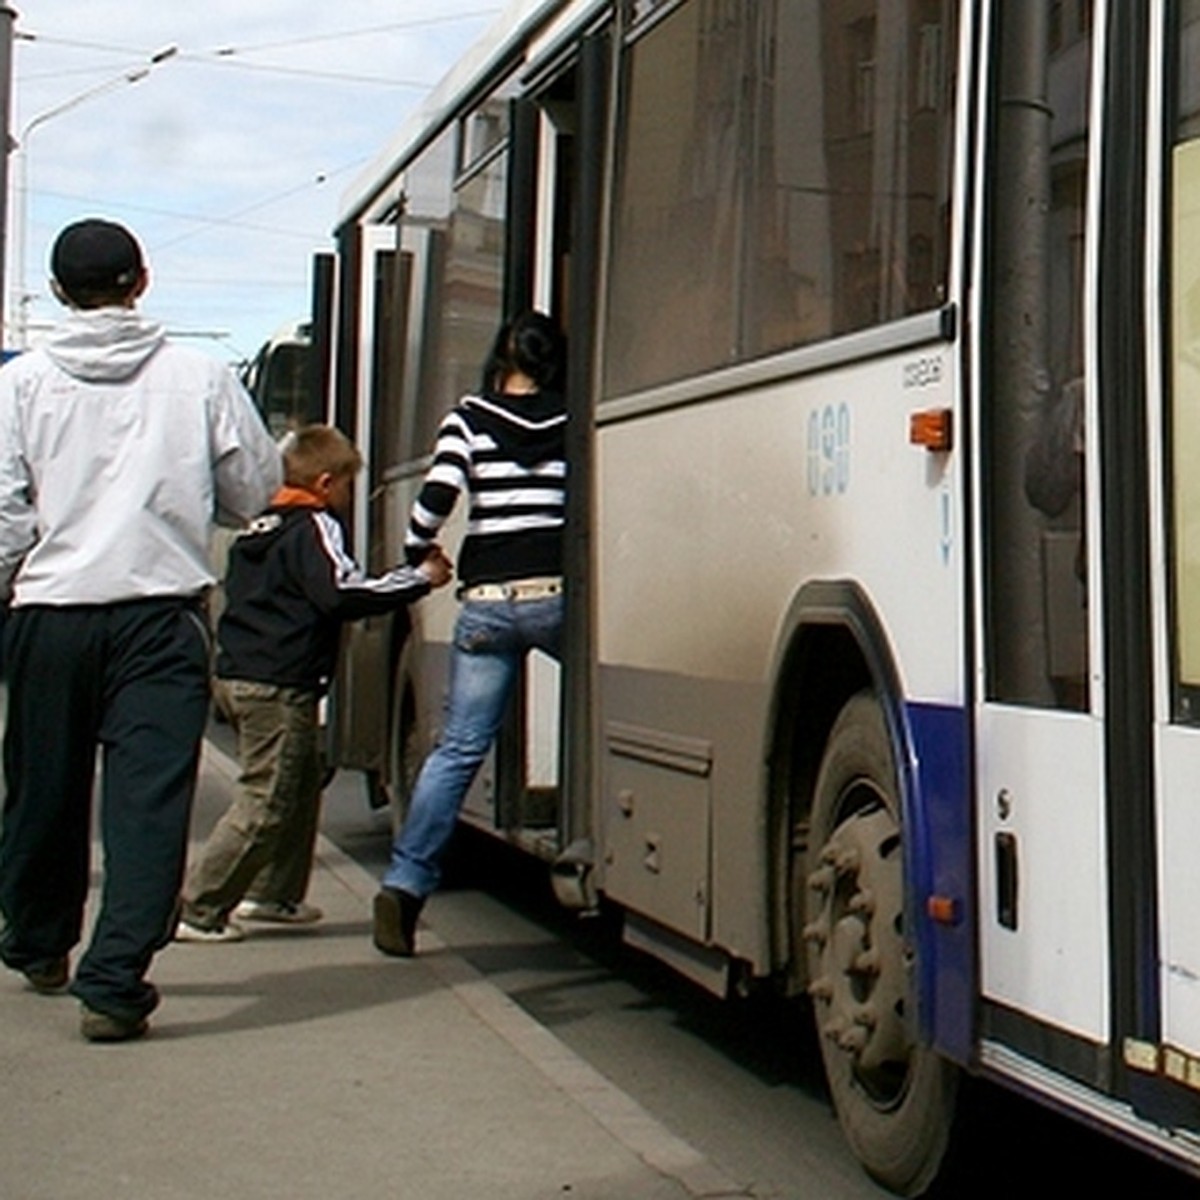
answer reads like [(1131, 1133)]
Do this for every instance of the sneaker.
[(185, 931), (279, 912), (396, 915), (48, 977), (104, 1027)]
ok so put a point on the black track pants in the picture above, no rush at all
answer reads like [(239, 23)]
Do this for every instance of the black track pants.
[(132, 680)]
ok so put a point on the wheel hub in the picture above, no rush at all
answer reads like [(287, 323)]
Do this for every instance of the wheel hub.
[(861, 977)]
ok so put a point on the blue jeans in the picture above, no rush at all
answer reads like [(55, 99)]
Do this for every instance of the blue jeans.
[(491, 639)]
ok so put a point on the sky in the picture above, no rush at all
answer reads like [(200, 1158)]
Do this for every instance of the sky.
[(230, 158)]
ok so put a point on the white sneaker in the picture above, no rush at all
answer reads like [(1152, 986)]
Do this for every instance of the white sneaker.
[(280, 912), (229, 932)]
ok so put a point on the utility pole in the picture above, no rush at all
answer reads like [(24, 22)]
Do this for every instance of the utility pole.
[(8, 17)]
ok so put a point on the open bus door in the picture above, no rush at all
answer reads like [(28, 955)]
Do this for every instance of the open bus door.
[(358, 729), (430, 288), (545, 761)]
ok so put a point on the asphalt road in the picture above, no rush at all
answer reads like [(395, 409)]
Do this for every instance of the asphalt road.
[(740, 1081)]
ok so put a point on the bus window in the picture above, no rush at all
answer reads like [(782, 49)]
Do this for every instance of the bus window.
[(428, 197), (387, 373), (811, 204), (460, 276), (1035, 435), (473, 280)]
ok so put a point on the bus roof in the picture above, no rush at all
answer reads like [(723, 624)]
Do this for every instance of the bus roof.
[(498, 44)]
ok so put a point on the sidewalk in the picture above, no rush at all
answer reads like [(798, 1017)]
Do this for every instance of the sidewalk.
[(301, 1063)]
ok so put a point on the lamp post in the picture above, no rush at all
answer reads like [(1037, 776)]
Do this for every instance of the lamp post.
[(8, 17), (20, 295)]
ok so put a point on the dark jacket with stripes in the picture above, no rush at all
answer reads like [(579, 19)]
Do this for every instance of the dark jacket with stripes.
[(508, 453), (289, 586)]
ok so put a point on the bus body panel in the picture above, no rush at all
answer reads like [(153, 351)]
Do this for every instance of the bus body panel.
[(1041, 785), (724, 508), (700, 555)]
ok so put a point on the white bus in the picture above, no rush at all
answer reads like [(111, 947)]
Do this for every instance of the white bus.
[(883, 669), (281, 379)]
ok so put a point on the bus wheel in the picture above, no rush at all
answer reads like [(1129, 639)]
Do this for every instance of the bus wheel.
[(894, 1097)]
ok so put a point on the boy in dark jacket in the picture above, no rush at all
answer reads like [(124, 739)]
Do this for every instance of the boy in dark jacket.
[(289, 587)]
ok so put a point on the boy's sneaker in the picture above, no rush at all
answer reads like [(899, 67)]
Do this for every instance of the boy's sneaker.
[(185, 931), (279, 912)]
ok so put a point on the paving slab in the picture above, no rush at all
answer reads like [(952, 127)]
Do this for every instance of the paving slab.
[(302, 1063)]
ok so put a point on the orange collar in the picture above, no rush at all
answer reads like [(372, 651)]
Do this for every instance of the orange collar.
[(294, 496)]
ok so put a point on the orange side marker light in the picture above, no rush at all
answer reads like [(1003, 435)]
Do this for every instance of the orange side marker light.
[(932, 428), (943, 910)]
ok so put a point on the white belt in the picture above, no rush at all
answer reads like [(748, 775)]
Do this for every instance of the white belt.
[(515, 589)]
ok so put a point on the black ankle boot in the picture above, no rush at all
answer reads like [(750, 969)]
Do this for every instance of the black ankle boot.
[(396, 914)]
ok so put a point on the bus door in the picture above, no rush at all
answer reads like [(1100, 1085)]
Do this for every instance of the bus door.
[(536, 261), (1088, 725), (557, 139), (359, 708), (1175, 555), (1042, 845)]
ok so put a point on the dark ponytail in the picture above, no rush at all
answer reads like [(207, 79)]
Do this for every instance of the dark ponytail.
[(532, 344)]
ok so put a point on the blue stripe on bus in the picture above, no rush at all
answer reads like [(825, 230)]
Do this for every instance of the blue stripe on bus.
[(938, 849)]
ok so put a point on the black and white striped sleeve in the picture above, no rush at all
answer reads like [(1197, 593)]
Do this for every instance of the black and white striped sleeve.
[(446, 480), (339, 586)]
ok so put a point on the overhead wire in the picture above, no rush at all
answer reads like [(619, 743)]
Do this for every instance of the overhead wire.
[(351, 33), (231, 55), (233, 220), (225, 57), (248, 58), (174, 214)]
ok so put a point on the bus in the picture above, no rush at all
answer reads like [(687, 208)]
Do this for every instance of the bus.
[(282, 381), (882, 669)]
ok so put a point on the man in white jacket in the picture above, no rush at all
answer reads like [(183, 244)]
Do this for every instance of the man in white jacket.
[(117, 448)]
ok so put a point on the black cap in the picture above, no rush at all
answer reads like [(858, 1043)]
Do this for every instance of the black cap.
[(95, 256)]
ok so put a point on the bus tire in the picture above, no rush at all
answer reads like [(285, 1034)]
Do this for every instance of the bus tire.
[(894, 1096)]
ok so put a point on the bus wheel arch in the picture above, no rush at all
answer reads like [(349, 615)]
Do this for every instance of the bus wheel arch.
[(404, 746), (840, 897), (822, 670), (830, 648)]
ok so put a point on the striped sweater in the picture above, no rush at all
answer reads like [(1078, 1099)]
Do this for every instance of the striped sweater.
[(508, 454)]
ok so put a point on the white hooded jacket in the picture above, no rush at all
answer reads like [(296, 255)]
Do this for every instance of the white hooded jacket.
[(117, 450)]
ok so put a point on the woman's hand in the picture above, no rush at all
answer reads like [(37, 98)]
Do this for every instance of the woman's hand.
[(438, 567)]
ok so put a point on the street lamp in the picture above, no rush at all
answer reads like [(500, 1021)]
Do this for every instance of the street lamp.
[(20, 295)]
